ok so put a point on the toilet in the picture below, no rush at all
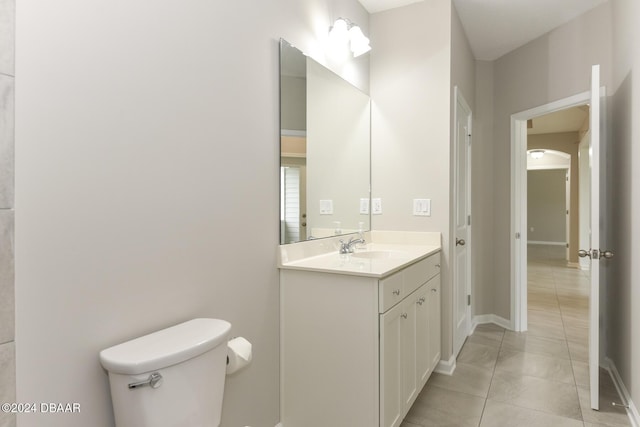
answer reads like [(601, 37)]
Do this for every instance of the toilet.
[(170, 378)]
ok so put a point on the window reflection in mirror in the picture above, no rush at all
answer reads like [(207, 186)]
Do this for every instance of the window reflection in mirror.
[(325, 151)]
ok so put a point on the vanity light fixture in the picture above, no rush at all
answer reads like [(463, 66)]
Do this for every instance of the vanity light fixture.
[(344, 31), (536, 154)]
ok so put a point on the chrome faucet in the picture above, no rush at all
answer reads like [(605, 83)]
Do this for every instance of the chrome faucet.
[(347, 248)]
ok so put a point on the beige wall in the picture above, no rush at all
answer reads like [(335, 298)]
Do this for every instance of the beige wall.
[(546, 205), (554, 66), (147, 185), (623, 310), (410, 92), (567, 142)]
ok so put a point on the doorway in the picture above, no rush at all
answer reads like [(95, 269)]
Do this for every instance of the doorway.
[(520, 123), (596, 251)]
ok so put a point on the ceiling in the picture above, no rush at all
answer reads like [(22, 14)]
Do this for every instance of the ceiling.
[(568, 120), (496, 27)]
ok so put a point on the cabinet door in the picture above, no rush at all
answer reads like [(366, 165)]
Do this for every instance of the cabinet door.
[(434, 320), (391, 400), (423, 355), (408, 352)]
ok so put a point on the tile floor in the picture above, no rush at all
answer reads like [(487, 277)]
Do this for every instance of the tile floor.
[(536, 378)]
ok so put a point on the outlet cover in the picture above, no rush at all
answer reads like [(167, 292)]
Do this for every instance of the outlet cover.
[(376, 206), (364, 206), (422, 207), (326, 207)]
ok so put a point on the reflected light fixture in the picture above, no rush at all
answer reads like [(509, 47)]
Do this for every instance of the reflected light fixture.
[(344, 31), (536, 154)]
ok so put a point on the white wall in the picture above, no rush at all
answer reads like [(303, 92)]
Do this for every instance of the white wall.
[(624, 298), (554, 66), (419, 54), (135, 121), (482, 188)]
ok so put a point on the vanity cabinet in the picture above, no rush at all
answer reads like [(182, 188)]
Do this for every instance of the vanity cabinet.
[(409, 350), (357, 350)]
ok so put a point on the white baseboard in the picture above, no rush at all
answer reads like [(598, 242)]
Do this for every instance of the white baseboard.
[(490, 318), (632, 410), (279, 425), (539, 242), (446, 367), (574, 265)]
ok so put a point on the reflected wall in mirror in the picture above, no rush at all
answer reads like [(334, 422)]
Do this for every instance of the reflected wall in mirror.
[(325, 139)]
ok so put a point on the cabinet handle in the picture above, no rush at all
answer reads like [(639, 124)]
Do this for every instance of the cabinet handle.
[(396, 292), (434, 290), (404, 315), (438, 265), (420, 301)]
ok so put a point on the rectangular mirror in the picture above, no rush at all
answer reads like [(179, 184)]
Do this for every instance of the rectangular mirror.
[(325, 156)]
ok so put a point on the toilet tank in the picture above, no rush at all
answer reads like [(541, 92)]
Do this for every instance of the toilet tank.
[(170, 378)]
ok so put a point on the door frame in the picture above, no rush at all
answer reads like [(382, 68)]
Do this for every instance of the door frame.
[(459, 98), (518, 238)]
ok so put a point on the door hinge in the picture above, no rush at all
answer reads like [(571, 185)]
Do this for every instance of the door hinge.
[(567, 246), (468, 299), (517, 235), (468, 219)]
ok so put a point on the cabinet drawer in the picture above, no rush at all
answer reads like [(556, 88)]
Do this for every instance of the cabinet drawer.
[(419, 273), (391, 291)]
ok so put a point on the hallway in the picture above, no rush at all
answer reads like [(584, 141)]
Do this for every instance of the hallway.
[(536, 378)]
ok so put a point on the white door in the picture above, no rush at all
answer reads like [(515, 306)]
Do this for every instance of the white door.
[(462, 221), (595, 252)]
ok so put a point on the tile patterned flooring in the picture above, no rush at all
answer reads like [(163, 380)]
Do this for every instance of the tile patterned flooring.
[(536, 378)]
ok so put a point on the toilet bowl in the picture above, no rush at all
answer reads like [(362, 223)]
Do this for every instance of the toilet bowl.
[(170, 378)]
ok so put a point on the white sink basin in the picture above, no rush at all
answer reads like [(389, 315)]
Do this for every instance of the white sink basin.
[(380, 255)]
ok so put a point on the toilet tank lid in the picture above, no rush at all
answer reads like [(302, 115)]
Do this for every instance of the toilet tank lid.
[(165, 347)]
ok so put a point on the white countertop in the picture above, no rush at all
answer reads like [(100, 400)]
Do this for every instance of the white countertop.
[(387, 256)]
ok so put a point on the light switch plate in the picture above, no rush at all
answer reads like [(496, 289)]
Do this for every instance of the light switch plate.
[(422, 207), (364, 206), (326, 207), (376, 206)]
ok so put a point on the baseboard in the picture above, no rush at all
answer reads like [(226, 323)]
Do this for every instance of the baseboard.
[(446, 367), (490, 318), (538, 242), (574, 265), (632, 410), (279, 425)]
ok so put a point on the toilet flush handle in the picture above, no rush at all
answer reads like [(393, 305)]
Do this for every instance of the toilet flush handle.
[(154, 381)]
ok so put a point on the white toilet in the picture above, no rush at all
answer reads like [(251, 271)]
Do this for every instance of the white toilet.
[(170, 378)]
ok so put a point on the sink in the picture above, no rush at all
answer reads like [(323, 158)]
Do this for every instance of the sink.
[(380, 255)]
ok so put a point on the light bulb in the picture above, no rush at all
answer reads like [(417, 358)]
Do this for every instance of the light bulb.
[(359, 43), (339, 33)]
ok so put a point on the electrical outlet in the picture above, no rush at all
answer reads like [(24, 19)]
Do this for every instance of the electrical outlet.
[(376, 206)]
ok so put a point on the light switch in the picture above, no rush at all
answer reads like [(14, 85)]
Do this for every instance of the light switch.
[(364, 206), (376, 206), (326, 207), (422, 207)]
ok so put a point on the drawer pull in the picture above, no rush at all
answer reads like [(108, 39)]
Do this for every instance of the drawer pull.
[(438, 265), (404, 315), (420, 301), (396, 292), (434, 290)]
